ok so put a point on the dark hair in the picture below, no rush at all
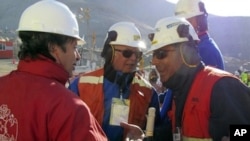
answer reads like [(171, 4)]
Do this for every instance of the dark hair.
[(36, 43)]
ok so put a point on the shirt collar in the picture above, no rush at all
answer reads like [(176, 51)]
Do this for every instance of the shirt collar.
[(44, 67)]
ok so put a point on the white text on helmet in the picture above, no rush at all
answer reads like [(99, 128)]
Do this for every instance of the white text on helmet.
[(173, 24)]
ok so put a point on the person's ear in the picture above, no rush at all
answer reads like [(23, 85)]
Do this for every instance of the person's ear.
[(53, 50)]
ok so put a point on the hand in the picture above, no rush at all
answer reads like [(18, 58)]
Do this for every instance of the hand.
[(135, 133), (225, 138)]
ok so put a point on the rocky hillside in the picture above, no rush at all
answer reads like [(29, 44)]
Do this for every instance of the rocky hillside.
[(230, 33)]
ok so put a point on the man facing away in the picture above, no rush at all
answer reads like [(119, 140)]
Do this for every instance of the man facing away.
[(34, 103)]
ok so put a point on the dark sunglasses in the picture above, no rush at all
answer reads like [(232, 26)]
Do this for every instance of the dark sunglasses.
[(128, 53), (161, 54)]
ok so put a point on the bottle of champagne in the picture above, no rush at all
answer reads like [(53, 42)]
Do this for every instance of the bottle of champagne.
[(150, 125)]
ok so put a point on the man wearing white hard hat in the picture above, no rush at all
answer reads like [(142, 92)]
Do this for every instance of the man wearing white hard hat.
[(195, 12), (117, 93), (34, 103), (206, 100)]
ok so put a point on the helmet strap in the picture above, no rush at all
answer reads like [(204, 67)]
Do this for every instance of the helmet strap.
[(112, 53)]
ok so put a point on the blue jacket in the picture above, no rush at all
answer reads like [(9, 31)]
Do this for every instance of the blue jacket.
[(210, 52)]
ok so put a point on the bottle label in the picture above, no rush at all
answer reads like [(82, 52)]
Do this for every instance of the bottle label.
[(177, 137)]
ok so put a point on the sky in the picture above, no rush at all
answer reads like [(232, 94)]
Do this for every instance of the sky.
[(226, 7)]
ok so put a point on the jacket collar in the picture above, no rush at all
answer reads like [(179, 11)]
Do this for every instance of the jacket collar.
[(44, 67), (204, 36), (182, 77), (122, 79)]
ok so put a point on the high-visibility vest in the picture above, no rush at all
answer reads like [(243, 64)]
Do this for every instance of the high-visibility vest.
[(196, 113), (244, 77), (91, 92)]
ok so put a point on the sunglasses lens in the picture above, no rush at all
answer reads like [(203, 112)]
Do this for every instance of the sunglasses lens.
[(127, 53), (160, 54)]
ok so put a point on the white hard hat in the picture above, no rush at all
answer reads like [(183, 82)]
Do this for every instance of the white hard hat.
[(166, 32), (49, 16), (189, 8), (127, 34)]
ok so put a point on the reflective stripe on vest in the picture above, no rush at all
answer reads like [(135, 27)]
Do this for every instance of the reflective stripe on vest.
[(91, 79), (195, 139), (96, 80)]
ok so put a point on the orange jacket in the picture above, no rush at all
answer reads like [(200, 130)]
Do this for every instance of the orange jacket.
[(196, 113), (91, 92)]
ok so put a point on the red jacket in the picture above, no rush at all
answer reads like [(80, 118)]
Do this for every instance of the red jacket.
[(36, 106), (196, 113)]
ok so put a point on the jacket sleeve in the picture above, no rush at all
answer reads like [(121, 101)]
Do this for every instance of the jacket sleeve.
[(70, 119), (210, 53), (230, 104)]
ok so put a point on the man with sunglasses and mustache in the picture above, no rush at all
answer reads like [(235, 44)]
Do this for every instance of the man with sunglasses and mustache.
[(195, 12), (116, 93), (206, 100)]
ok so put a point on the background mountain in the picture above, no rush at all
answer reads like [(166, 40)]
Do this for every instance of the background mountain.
[(230, 33)]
